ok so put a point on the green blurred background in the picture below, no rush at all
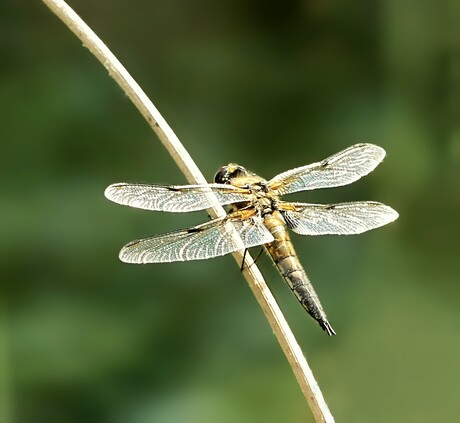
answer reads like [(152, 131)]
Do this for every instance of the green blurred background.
[(270, 85)]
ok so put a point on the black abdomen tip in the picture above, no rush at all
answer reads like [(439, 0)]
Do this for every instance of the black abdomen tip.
[(327, 327)]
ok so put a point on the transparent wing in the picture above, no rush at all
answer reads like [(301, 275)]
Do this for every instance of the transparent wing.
[(339, 219), (183, 198), (212, 239), (342, 168)]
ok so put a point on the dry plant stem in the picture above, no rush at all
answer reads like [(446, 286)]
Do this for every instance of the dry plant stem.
[(263, 295)]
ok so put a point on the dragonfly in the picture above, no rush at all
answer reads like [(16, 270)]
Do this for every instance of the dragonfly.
[(256, 213)]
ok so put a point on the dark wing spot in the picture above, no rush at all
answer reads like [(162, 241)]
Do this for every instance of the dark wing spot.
[(193, 230)]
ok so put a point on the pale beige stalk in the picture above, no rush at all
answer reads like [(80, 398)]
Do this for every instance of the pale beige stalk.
[(185, 163)]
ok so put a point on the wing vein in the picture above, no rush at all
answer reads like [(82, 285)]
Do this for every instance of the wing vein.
[(178, 199), (342, 168), (201, 242), (340, 219)]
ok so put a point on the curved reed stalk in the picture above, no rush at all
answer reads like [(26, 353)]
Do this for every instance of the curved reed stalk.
[(185, 163)]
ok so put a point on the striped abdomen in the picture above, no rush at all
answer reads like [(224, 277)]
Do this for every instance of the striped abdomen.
[(285, 258)]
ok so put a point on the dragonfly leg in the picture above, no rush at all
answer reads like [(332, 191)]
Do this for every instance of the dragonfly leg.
[(258, 255), (255, 260), (244, 258)]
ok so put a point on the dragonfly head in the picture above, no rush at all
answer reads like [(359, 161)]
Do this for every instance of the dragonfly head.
[(226, 174)]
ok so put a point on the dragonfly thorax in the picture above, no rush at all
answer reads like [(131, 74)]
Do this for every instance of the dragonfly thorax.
[(262, 199)]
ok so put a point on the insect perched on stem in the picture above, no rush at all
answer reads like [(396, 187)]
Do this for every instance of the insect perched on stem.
[(259, 216)]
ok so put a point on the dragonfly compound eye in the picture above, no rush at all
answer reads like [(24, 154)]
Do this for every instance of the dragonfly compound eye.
[(222, 176), (226, 173)]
